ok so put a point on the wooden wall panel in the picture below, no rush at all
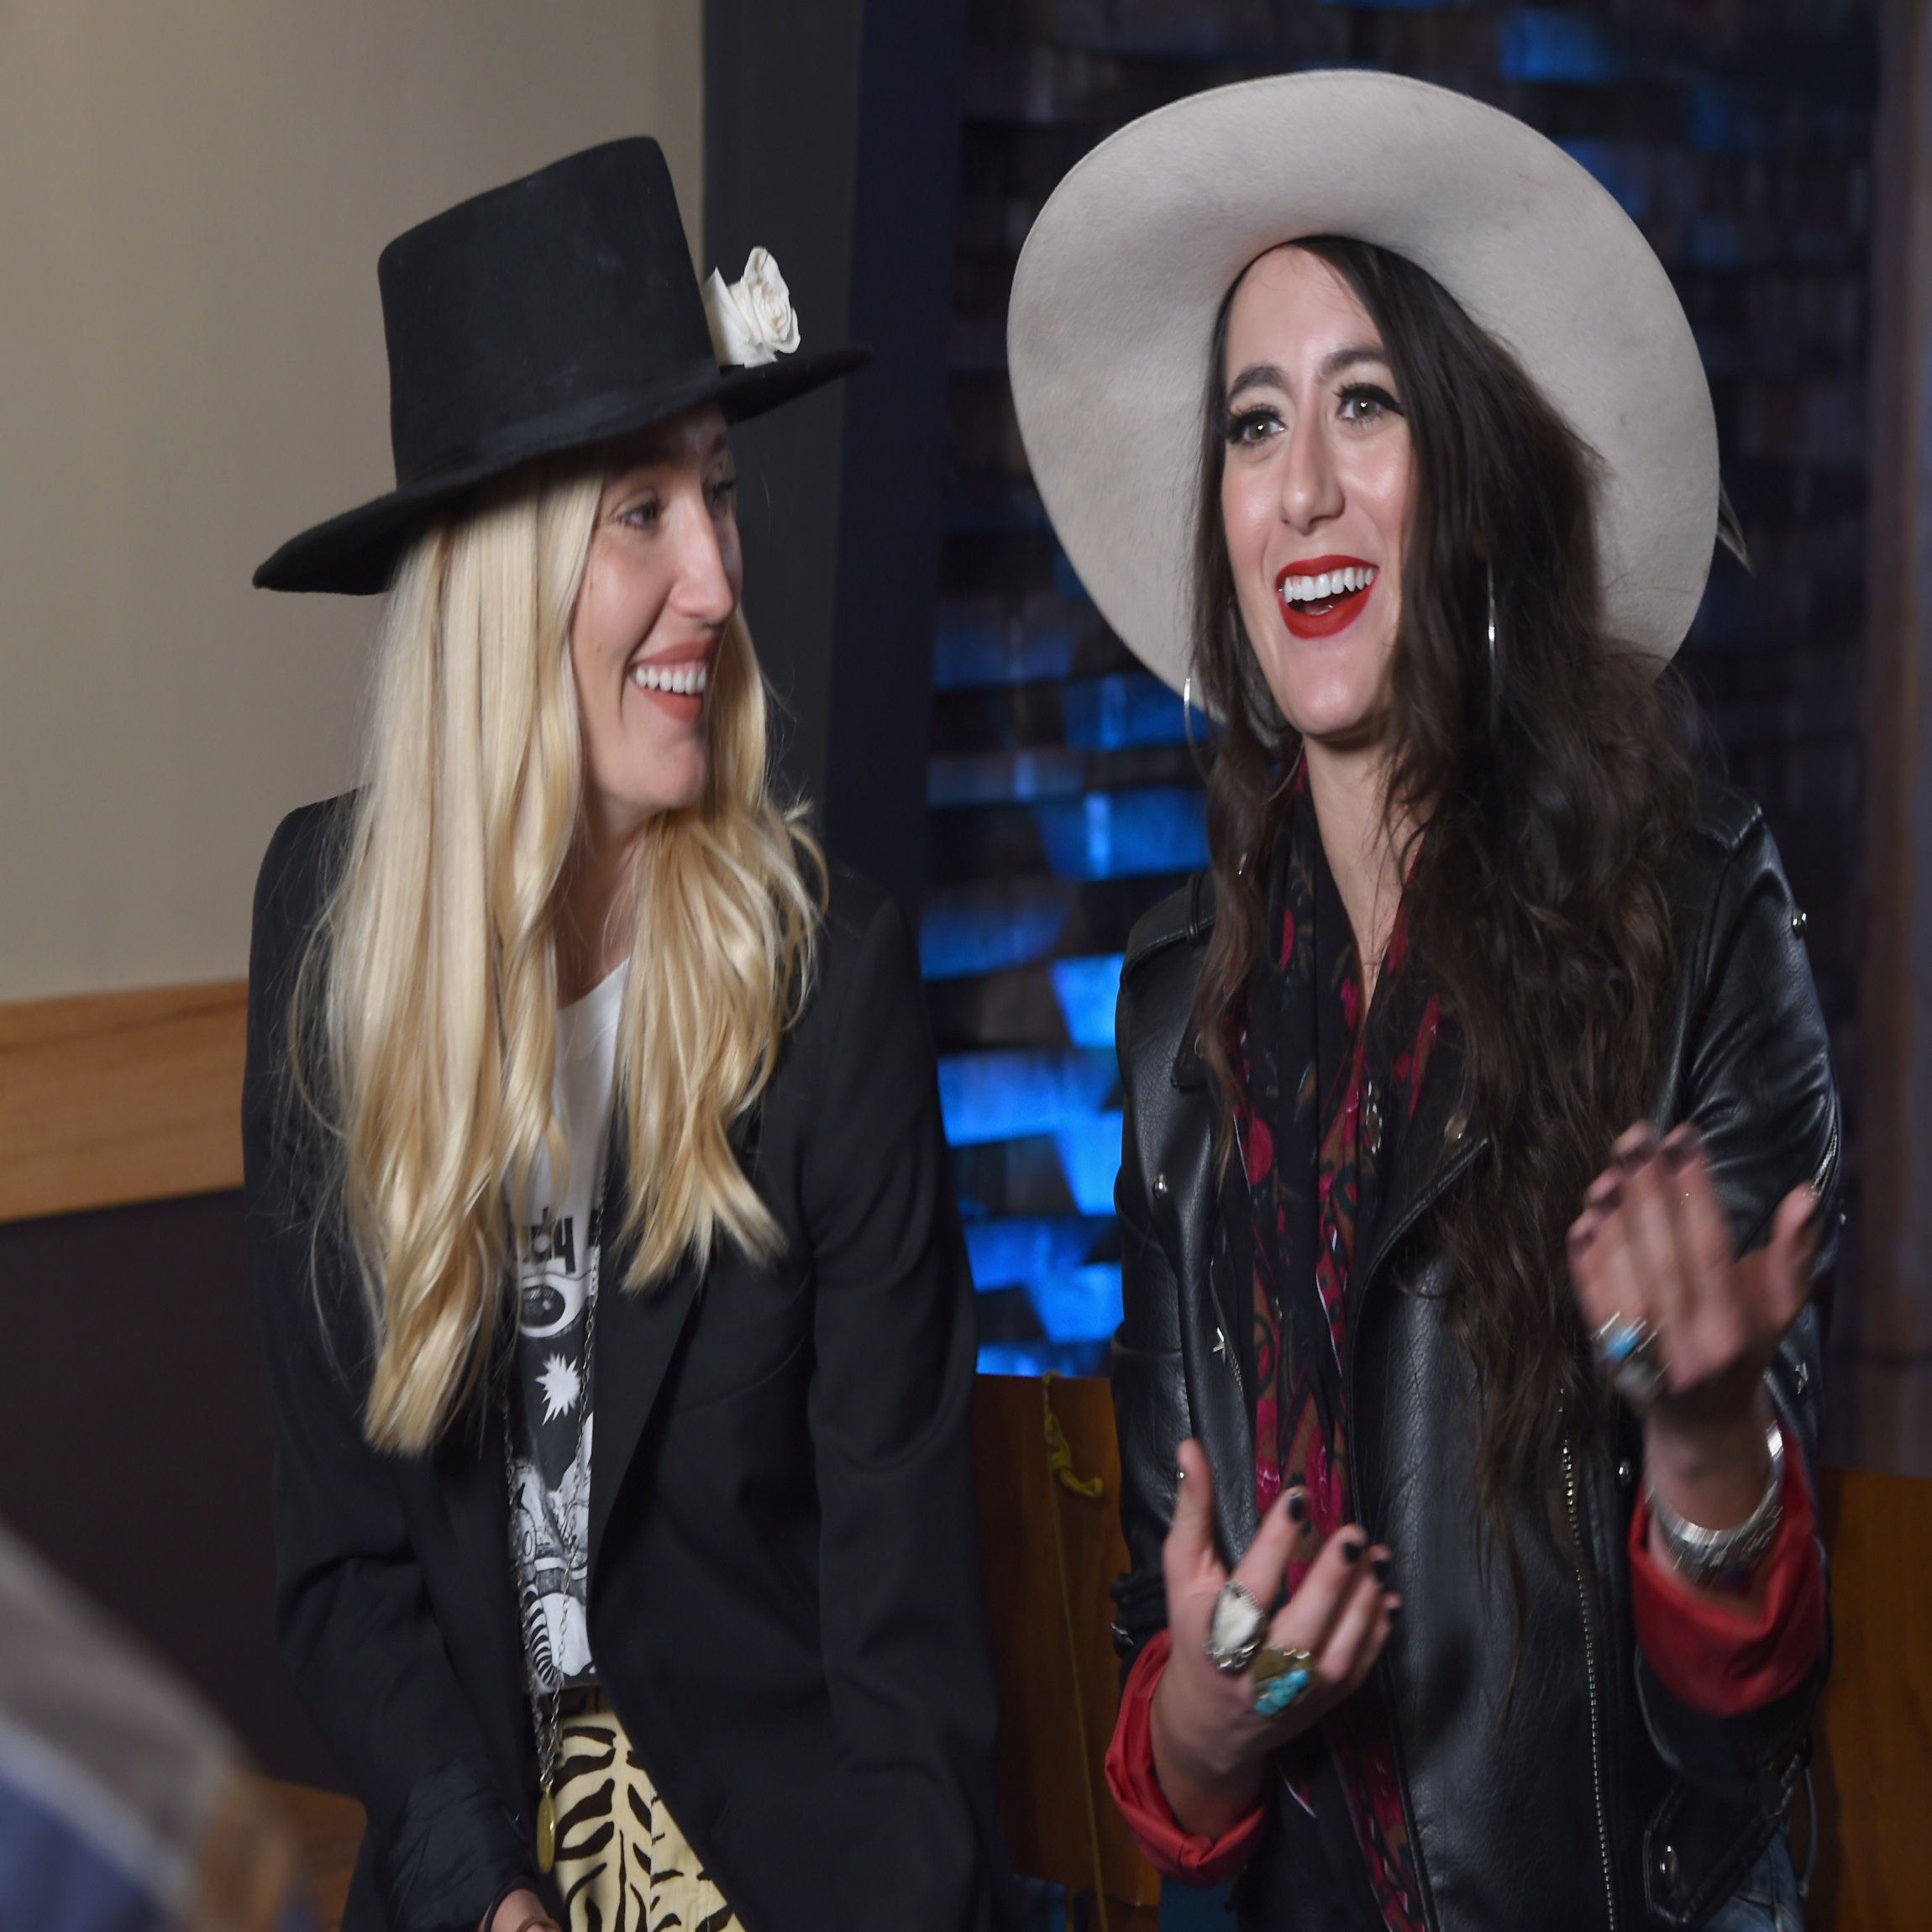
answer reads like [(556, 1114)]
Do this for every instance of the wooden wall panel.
[(328, 1830), (1873, 1769), (1049, 1762), (118, 1097)]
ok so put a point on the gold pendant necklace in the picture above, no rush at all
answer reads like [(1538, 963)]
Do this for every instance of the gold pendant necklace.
[(546, 1831)]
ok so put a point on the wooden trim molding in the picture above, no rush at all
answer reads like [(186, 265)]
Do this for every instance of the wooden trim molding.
[(118, 1097)]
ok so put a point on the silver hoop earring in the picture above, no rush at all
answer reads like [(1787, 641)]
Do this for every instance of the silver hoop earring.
[(1495, 673), (1188, 726)]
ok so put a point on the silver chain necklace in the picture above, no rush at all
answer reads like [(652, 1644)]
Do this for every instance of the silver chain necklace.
[(543, 1676)]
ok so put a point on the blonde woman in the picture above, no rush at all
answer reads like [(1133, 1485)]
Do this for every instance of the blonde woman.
[(617, 1325)]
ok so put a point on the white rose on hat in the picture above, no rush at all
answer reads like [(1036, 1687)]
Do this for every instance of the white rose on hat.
[(751, 320)]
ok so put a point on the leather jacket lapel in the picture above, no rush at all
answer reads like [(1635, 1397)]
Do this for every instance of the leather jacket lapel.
[(1434, 1151), (1219, 1397)]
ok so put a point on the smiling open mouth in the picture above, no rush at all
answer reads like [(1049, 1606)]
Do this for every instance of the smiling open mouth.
[(680, 680), (1324, 596)]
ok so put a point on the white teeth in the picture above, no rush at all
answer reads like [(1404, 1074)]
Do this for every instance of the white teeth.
[(1328, 584), (682, 680)]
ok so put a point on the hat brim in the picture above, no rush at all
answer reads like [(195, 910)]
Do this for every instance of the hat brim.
[(1117, 290), (355, 555)]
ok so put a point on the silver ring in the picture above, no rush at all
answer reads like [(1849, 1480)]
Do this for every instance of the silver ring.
[(1633, 1358), (1235, 1628)]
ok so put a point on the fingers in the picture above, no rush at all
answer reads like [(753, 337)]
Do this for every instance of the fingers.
[(1585, 1254), (1653, 1245), (1776, 1282), (1701, 1227), (1189, 1554), (1261, 1571), (1702, 1327), (1612, 1275), (1341, 1615), (1310, 1617), (1656, 1258), (1358, 1633)]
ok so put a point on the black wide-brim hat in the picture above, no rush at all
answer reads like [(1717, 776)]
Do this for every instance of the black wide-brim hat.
[(553, 314)]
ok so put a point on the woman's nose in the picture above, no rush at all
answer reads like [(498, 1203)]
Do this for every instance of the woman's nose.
[(1311, 490), (706, 589)]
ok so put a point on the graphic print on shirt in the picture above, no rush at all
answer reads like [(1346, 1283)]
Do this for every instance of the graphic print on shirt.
[(553, 1391), (551, 1531)]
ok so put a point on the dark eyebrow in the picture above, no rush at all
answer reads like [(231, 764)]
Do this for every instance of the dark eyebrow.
[(1266, 375), (1257, 375)]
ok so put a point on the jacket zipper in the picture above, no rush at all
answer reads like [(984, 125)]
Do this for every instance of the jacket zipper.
[(1590, 1677), (1830, 1163)]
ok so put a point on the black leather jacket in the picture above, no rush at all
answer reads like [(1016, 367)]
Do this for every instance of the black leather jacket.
[(1591, 1796)]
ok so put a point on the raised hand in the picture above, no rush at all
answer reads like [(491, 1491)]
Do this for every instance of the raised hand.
[(1210, 1742), (1686, 1328)]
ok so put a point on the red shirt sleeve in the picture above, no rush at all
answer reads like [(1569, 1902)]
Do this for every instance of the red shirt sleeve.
[(1725, 1661), (1187, 1856)]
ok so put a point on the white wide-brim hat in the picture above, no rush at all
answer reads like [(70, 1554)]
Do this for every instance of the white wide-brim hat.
[(1114, 299)]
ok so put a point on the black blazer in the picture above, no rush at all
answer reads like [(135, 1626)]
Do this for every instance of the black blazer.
[(1576, 1791), (784, 1595)]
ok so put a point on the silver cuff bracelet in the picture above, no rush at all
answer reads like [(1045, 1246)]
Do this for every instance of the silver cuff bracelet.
[(1717, 1557)]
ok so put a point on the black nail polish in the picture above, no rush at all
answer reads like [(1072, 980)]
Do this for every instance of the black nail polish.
[(1380, 1566), (1351, 1550), (1297, 1507), (1394, 1611)]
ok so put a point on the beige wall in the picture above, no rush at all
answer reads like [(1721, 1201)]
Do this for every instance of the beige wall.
[(192, 201)]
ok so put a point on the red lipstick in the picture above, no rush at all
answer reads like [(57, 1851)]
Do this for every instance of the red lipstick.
[(1322, 616)]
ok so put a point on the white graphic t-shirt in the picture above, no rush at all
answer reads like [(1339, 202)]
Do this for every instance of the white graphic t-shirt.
[(550, 1403)]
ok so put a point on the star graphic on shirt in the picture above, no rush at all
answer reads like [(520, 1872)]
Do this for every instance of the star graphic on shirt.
[(561, 1385)]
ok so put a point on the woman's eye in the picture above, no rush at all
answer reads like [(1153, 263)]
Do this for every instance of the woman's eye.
[(642, 515), (1251, 426), (721, 493), (1364, 404)]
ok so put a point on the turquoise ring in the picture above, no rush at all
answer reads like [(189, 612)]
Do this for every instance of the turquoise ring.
[(1280, 1678), (1633, 1358)]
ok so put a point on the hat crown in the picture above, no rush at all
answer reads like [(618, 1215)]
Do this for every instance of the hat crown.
[(562, 294)]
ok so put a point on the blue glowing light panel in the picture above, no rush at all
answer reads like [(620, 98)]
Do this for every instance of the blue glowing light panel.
[(1064, 798)]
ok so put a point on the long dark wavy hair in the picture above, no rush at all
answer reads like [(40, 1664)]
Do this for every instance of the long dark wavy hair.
[(1546, 799)]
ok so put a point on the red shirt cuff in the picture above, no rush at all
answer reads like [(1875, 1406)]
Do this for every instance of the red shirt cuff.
[(1187, 1856), (1713, 1658)]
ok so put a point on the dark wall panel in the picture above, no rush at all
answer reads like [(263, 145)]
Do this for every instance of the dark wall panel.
[(831, 138), (134, 1446), (781, 105)]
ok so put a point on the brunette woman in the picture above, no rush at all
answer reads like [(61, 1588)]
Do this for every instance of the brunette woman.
[(580, 1091), (1468, 1466)]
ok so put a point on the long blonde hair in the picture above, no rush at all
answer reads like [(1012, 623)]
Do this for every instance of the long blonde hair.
[(428, 995)]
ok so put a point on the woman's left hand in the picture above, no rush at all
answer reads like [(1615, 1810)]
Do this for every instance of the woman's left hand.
[(1652, 1247)]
